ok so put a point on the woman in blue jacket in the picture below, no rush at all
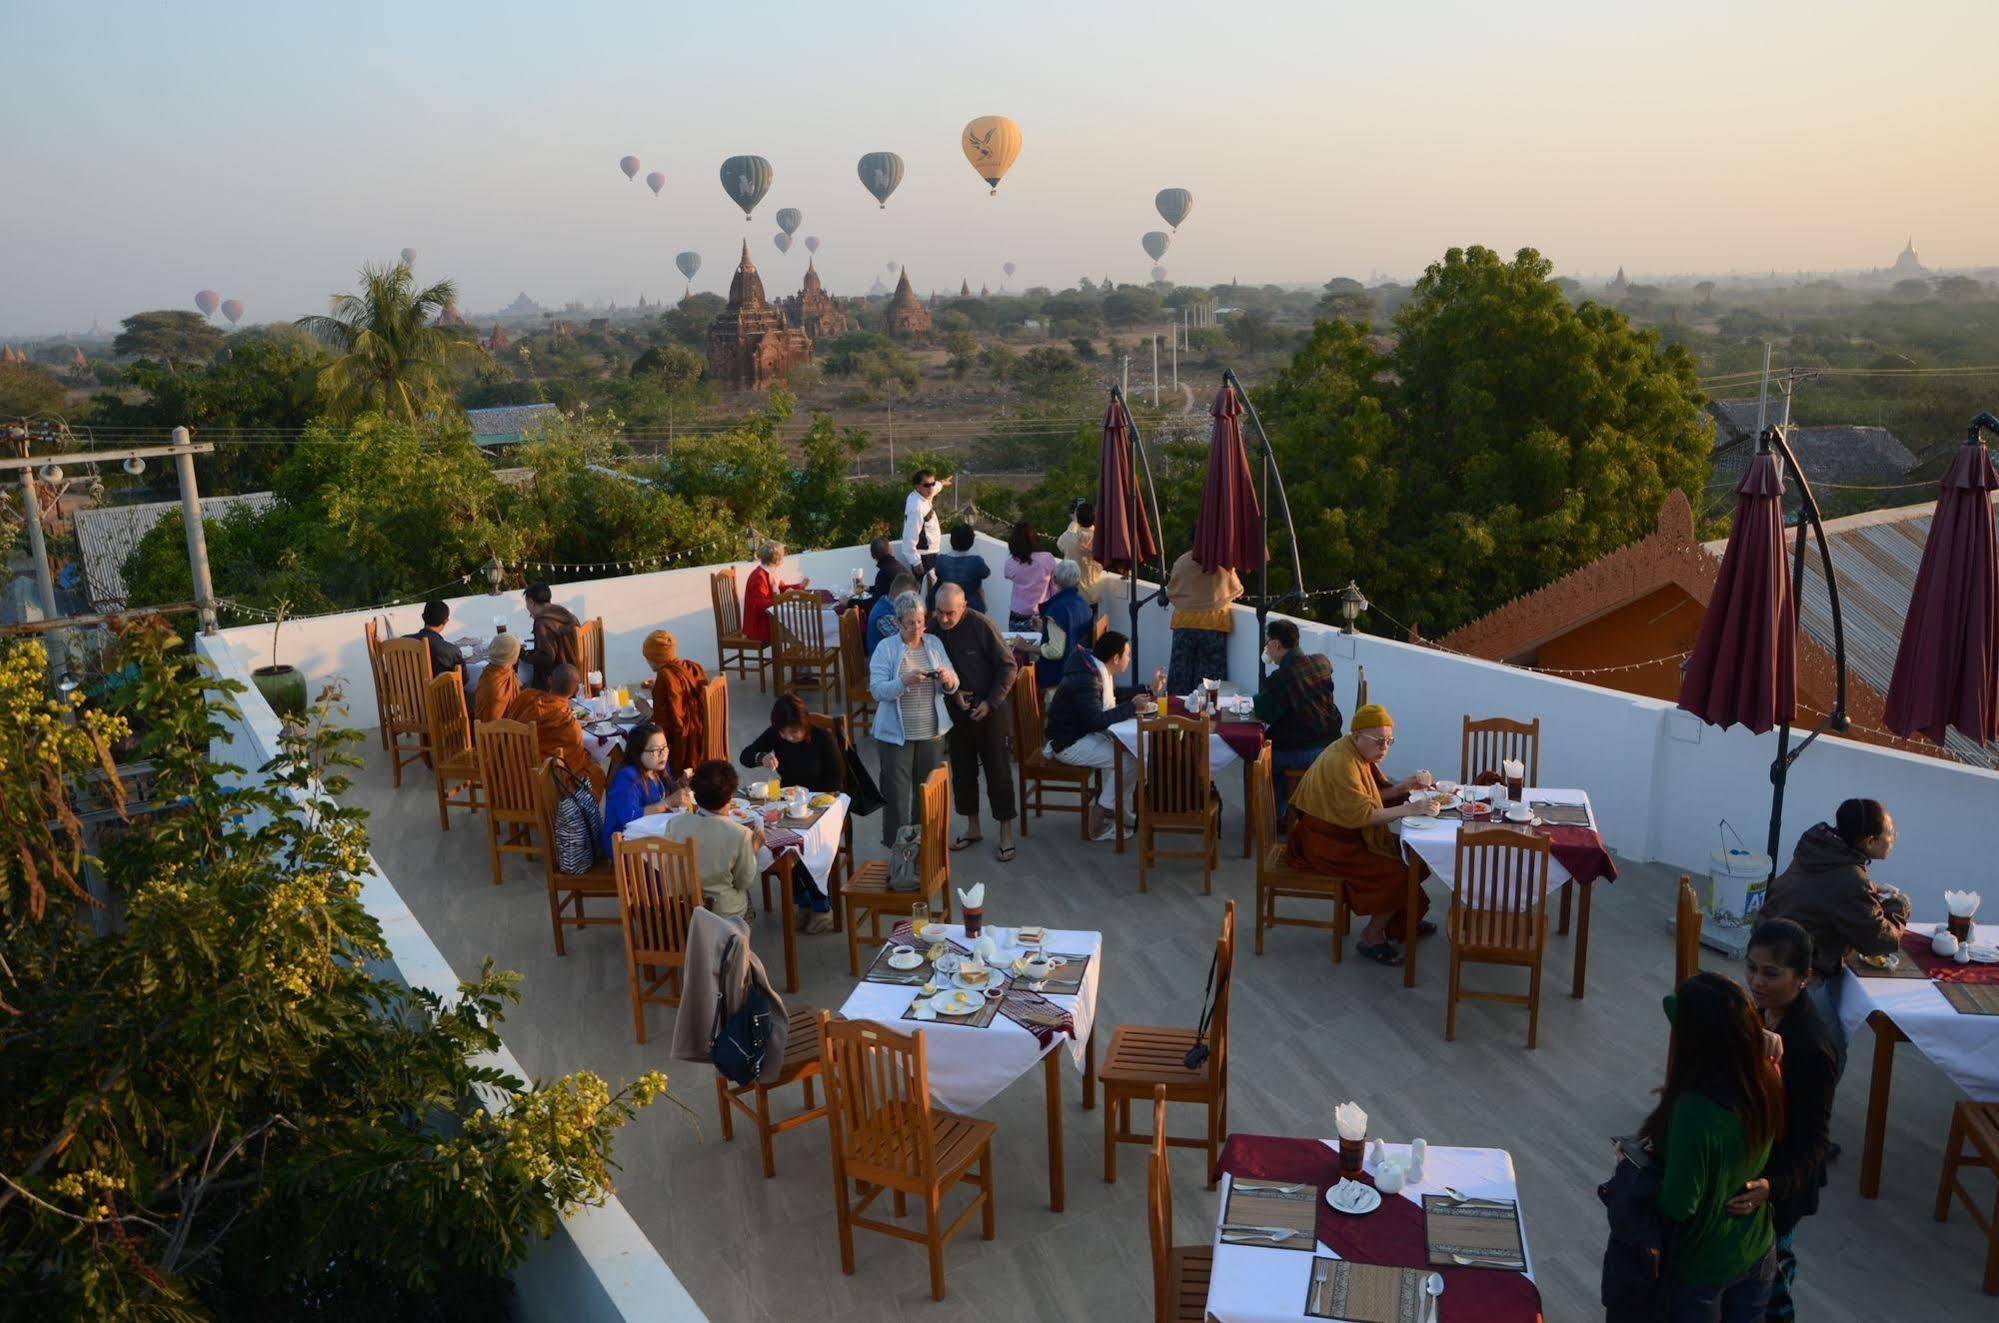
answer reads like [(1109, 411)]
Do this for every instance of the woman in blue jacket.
[(643, 785)]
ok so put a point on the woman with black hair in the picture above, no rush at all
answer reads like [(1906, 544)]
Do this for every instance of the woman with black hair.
[(964, 567), (801, 754), (1031, 571), (643, 785), (1720, 1112), (1779, 970), (1827, 892)]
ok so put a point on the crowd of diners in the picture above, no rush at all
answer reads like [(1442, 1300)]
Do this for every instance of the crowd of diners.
[(1741, 1127)]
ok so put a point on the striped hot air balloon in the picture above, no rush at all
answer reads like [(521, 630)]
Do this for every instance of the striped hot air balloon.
[(746, 179), (1173, 204), (789, 219), (881, 174), (1154, 243)]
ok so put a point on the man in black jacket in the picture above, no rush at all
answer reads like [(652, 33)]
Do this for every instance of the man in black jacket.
[(980, 717), (1083, 709), (556, 641), (444, 654)]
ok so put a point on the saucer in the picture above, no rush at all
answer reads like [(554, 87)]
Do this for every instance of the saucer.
[(905, 959), (1353, 1198)]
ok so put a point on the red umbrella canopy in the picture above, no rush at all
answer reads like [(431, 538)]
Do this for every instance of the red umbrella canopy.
[(1113, 543), (1947, 669), (1744, 667), (1229, 530)]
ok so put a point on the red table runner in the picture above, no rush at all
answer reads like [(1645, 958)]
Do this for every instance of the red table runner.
[(1580, 850), (1244, 737), (1392, 1234), (1916, 946)]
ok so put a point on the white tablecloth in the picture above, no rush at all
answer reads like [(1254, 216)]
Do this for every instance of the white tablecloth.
[(969, 1067), (1435, 840), (1255, 1283), (830, 624), (1220, 755), (1964, 1047), (816, 848)]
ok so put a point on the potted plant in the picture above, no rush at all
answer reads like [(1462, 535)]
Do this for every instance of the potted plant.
[(283, 687)]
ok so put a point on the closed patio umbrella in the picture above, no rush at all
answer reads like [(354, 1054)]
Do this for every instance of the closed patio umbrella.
[(1947, 668), (1229, 530), (1744, 666), (1120, 506)]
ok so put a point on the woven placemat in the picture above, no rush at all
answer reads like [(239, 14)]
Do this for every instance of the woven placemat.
[(1484, 1229), (1262, 1207), (978, 1019), (1364, 1292), (1903, 967), (1972, 998), (1066, 981), (880, 971), (1561, 815)]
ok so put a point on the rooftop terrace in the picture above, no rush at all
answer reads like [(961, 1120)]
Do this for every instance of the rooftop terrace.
[(1306, 1034)]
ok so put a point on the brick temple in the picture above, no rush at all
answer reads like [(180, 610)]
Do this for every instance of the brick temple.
[(814, 311), (906, 318), (750, 345)]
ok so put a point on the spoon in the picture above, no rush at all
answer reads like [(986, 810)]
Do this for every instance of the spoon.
[(1433, 1286), (1459, 1198)]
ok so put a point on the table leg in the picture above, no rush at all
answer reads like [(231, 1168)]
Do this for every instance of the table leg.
[(787, 914), (1886, 1035), (1052, 1064), (1090, 1071), (1411, 899), (1582, 932), (1247, 766)]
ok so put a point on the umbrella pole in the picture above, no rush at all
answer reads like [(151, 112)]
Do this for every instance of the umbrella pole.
[(1138, 459), (1270, 470)]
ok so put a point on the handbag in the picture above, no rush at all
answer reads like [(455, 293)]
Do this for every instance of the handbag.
[(579, 824), (864, 796), (905, 860), (1197, 1055), (737, 1045), (1056, 646)]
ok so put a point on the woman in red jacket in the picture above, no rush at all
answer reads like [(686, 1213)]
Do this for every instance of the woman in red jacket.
[(763, 588)]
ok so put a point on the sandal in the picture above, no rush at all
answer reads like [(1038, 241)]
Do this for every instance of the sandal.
[(1382, 953), (965, 843), (1004, 854), (1426, 929)]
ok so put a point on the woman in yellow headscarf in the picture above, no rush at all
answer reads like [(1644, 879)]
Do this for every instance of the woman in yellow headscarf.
[(676, 699), (1340, 817)]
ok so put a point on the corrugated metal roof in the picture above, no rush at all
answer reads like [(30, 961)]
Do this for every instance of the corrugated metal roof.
[(106, 535), (508, 420)]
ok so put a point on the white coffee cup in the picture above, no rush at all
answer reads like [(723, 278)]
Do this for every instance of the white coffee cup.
[(1038, 967)]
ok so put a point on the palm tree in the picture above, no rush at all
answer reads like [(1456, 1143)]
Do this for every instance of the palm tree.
[(393, 357)]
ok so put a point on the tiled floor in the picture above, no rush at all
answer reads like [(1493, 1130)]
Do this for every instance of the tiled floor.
[(1306, 1035)]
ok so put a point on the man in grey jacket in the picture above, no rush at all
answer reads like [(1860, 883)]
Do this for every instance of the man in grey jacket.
[(980, 719)]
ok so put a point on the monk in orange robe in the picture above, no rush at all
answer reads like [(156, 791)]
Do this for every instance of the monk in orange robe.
[(1341, 812), (557, 733), (677, 707), (500, 681)]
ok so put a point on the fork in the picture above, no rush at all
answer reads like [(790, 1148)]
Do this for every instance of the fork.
[(1466, 1261), (1232, 1233), (1264, 1187)]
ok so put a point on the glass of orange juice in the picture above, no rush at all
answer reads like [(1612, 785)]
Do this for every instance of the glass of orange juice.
[(624, 696)]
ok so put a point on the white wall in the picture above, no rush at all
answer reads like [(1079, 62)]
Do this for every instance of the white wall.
[(598, 1267)]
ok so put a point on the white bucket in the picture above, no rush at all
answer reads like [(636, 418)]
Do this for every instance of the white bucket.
[(1737, 880)]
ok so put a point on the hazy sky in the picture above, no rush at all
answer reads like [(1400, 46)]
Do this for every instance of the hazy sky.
[(264, 150)]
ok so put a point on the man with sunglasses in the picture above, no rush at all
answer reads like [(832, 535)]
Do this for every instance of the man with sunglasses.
[(922, 536), (1339, 826)]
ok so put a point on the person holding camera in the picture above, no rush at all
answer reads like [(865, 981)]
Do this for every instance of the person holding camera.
[(909, 677)]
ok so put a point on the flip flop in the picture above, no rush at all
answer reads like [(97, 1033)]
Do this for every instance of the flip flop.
[(1004, 854), (965, 843)]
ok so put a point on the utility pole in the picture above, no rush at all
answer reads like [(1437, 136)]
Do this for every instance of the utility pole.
[(31, 507), (891, 435), (1155, 370), (1125, 388), (1763, 398), (1176, 362), (197, 537)]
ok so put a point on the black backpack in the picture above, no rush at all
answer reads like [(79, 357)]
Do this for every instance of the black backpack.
[(1634, 1257), (737, 1045)]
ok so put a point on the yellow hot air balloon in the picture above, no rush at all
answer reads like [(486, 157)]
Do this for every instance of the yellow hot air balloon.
[(991, 143)]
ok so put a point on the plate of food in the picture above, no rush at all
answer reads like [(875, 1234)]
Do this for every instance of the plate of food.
[(973, 976), (603, 727), (823, 800), (953, 1002), (1032, 935), (1474, 809), (1353, 1198)]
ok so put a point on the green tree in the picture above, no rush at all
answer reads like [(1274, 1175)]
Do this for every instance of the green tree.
[(686, 323), (393, 357), (1133, 305), (738, 474), (1348, 305), (215, 1107), (821, 498), (999, 359), (1049, 370), (847, 354), (673, 367), (1957, 289), (576, 510), (167, 336), (26, 390), (961, 349)]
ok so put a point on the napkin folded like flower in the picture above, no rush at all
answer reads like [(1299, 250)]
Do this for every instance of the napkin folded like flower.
[(1352, 1122), (1961, 904), (974, 899), (1512, 768)]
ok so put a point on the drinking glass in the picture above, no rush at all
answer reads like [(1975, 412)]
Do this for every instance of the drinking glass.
[(919, 915)]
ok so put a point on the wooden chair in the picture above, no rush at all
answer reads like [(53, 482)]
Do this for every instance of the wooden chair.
[(858, 697), (371, 633), (1974, 1142), (866, 892), (1179, 1272), (802, 660), (406, 682), (735, 651), (1278, 879), (1175, 795), (1099, 626), (1499, 916), (715, 718), (590, 647), (567, 892), (887, 1136), (801, 1067), (1491, 741), (1039, 774), (507, 762), (1144, 1058), (1686, 934), (452, 756), (843, 859), (659, 888)]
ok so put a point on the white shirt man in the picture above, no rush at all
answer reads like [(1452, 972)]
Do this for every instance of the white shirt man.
[(922, 538)]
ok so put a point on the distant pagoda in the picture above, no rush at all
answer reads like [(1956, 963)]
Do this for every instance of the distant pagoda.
[(750, 345), (907, 318), (816, 313)]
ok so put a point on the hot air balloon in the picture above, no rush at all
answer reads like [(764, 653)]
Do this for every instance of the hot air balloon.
[(746, 179), (1173, 204), (1154, 243), (655, 181), (782, 240), (233, 310), (991, 143), (689, 263), (409, 256), (811, 243), (1008, 268), (1158, 275), (880, 173), (891, 267), (789, 219), (208, 301), (630, 165)]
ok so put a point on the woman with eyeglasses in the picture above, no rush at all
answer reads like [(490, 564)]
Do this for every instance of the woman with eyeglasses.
[(645, 784), (1339, 825)]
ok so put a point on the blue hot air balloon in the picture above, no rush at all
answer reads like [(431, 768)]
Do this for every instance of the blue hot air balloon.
[(789, 219), (1174, 204), (689, 263), (880, 173), (746, 179)]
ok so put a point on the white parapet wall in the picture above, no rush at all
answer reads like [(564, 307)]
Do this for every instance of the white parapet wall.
[(598, 1267)]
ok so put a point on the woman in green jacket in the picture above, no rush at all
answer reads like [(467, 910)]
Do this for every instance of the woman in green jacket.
[(1720, 1111)]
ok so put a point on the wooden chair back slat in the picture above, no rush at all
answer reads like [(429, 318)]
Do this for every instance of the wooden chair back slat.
[(405, 679), (728, 605), (878, 1093), (1490, 741), (590, 646), (1173, 775), (934, 856), (1503, 874), (835, 722), (659, 888), (1262, 804), (1028, 737), (853, 646), (507, 770), (715, 722), (1159, 1209), (1218, 1024), (1686, 933), (450, 729), (799, 621)]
